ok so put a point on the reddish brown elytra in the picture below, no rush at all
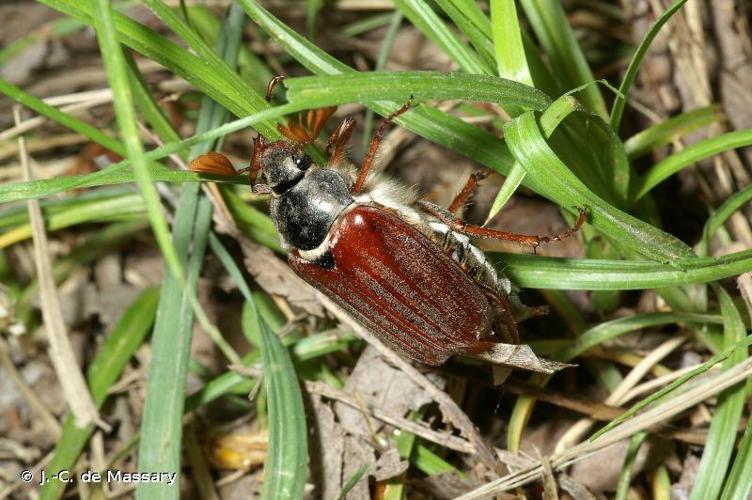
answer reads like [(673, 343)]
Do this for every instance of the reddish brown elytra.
[(404, 268)]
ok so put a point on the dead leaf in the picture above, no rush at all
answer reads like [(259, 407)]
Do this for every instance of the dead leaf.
[(389, 465), (275, 277)]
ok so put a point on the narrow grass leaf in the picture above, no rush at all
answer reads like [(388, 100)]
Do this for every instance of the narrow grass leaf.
[(553, 179), (625, 476), (733, 203), (428, 21), (285, 467), (126, 207), (61, 117), (395, 22), (122, 172), (353, 480), (675, 127), (163, 410), (618, 107), (116, 73), (742, 345), (161, 427), (728, 412), (688, 156), (126, 336), (738, 485), (549, 21), (509, 50), (609, 330), (599, 274), (555, 113), (320, 91), (436, 126), (207, 75), (474, 24)]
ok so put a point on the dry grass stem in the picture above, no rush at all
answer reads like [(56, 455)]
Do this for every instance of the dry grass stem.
[(61, 353)]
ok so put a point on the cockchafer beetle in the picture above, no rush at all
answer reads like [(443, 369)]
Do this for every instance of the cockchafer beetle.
[(402, 267)]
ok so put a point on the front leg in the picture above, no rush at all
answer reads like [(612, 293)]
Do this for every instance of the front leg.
[(374, 146)]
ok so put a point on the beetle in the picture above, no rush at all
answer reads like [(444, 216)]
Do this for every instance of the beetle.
[(404, 268)]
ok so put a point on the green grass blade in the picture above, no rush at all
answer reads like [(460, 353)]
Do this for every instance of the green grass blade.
[(61, 117), (675, 127), (609, 330), (161, 427), (728, 412), (625, 476), (733, 203), (434, 125), (49, 31), (353, 480), (116, 73), (509, 50), (426, 20), (285, 467), (550, 120), (163, 411), (549, 21), (126, 336), (474, 24), (395, 22), (618, 108), (530, 271), (148, 107), (511, 183), (552, 179), (121, 172), (227, 88), (742, 345), (320, 91), (688, 156), (313, 8), (738, 485), (129, 206)]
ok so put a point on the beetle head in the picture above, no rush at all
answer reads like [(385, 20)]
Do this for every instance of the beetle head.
[(283, 165)]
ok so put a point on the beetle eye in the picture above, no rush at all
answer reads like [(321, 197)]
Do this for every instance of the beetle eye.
[(302, 162)]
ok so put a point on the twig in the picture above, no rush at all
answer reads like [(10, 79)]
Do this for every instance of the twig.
[(61, 354), (442, 439), (53, 426), (641, 422)]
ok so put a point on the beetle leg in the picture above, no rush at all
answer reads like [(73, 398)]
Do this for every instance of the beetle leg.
[(374, 146), (468, 190), (460, 226), (255, 167), (339, 140)]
